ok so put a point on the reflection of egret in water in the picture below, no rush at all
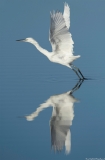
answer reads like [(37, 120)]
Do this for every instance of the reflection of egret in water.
[(61, 120)]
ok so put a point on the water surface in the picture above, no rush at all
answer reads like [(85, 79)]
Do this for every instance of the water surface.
[(28, 80)]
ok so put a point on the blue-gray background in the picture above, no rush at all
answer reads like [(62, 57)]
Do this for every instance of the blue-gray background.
[(27, 79)]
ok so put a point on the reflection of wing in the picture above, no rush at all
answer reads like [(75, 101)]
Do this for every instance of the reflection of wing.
[(58, 133), (61, 120)]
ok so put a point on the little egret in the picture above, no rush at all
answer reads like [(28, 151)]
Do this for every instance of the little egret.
[(61, 41)]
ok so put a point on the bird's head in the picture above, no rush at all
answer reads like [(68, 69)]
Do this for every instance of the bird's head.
[(30, 40)]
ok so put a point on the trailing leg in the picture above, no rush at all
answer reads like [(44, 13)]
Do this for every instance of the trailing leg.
[(77, 70), (76, 73)]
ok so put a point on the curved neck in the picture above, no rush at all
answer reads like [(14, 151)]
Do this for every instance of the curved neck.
[(38, 110), (43, 51)]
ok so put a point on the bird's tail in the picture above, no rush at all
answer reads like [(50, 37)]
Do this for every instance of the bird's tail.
[(77, 56), (74, 58)]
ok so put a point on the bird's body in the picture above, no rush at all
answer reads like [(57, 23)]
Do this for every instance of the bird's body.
[(61, 41)]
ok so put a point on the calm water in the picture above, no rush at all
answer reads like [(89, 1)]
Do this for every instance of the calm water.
[(29, 81)]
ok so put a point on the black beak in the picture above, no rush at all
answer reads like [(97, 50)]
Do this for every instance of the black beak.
[(21, 40)]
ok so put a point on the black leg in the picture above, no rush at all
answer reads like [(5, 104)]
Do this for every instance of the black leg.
[(76, 70), (81, 73), (76, 73)]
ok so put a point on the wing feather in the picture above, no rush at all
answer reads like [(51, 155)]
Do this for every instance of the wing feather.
[(59, 132), (59, 36), (66, 14)]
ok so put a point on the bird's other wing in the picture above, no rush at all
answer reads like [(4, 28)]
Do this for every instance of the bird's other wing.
[(66, 14), (60, 37)]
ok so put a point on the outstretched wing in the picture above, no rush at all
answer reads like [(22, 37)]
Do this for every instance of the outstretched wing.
[(66, 15), (60, 37), (58, 133)]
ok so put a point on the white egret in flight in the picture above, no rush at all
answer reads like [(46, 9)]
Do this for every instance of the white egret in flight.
[(61, 119), (61, 41)]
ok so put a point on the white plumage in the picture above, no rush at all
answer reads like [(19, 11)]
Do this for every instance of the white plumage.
[(61, 119), (66, 15)]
